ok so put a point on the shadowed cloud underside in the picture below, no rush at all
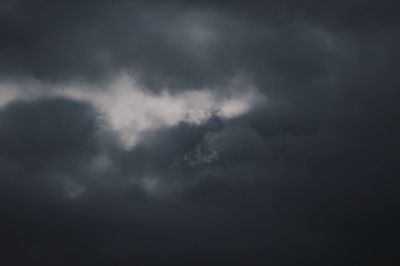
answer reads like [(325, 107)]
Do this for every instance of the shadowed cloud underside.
[(199, 132)]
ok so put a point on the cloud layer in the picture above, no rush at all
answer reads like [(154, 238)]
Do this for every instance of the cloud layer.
[(199, 132)]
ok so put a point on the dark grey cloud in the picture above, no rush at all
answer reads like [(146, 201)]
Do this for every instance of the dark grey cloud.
[(354, 14), (309, 176), (224, 187), (182, 44)]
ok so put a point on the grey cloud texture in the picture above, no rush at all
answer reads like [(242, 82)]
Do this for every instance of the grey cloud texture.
[(306, 175), (175, 45)]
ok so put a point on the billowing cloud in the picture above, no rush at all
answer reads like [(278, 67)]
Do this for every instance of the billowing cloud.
[(199, 132), (130, 110)]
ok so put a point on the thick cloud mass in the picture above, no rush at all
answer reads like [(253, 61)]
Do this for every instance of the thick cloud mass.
[(265, 132)]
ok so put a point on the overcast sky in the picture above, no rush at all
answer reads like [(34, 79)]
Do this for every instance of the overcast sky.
[(199, 132)]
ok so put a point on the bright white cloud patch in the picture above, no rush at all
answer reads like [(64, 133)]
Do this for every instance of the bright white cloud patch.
[(132, 110)]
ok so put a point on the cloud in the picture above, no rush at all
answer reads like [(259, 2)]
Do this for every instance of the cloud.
[(131, 111), (199, 132)]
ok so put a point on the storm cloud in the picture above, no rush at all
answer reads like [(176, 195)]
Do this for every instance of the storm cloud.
[(199, 132)]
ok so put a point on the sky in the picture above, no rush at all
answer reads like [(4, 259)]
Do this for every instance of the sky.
[(191, 132)]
